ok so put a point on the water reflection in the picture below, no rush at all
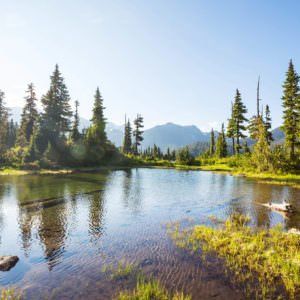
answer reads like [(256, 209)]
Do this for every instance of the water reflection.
[(65, 225), (96, 212)]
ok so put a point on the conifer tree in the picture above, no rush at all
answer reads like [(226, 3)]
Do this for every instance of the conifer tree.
[(98, 119), (221, 146), (212, 143), (3, 126), (239, 111), (268, 124), (12, 130), (57, 110), (33, 153), (254, 121), (127, 142), (75, 134), (246, 148), (231, 128), (291, 113), (95, 138), (168, 154), (29, 117), (138, 132), (253, 127), (261, 155)]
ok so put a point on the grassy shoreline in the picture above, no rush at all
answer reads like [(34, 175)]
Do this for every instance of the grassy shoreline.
[(288, 179), (264, 263)]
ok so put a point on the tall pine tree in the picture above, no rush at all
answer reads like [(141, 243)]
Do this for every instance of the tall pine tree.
[(239, 111), (55, 119), (96, 139), (231, 128), (291, 113), (138, 133), (268, 124), (127, 142), (254, 121), (3, 126), (12, 131), (221, 146), (29, 117), (75, 134)]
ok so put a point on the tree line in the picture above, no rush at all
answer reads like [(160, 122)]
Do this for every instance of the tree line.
[(262, 155), (233, 141), (52, 137)]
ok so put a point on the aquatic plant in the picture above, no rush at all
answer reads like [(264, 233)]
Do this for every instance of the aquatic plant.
[(264, 262), (150, 290)]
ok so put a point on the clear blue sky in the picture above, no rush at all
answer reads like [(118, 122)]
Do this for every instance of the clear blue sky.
[(178, 61)]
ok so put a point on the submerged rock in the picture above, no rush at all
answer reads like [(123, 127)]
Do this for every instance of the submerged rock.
[(8, 262)]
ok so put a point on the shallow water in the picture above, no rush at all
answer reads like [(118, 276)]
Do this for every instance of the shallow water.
[(65, 228)]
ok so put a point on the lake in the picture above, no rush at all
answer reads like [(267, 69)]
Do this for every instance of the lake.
[(66, 228)]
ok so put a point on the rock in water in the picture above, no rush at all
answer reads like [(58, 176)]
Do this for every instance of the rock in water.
[(8, 262)]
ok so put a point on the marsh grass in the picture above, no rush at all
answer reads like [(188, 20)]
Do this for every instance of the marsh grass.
[(150, 290), (263, 262), (9, 294), (123, 270)]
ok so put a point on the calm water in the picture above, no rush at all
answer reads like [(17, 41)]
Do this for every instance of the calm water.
[(66, 228)]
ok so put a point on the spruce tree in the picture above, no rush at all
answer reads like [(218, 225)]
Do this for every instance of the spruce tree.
[(138, 133), (254, 121), (57, 110), (291, 113), (33, 153), (268, 124), (261, 155), (3, 126), (127, 142), (75, 134), (246, 148), (98, 119), (212, 143), (95, 138), (253, 127), (221, 146), (12, 131), (231, 128), (168, 154), (239, 111), (29, 117)]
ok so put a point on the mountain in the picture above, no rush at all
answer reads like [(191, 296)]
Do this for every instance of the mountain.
[(167, 135), (173, 136)]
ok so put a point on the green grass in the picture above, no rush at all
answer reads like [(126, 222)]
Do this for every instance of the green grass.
[(263, 262), (9, 294), (151, 290), (123, 270)]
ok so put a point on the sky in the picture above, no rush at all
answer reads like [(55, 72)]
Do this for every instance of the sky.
[(171, 61)]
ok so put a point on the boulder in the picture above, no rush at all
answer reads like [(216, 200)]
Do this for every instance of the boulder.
[(8, 262)]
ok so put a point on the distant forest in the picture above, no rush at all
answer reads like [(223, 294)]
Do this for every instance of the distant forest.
[(52, 138)]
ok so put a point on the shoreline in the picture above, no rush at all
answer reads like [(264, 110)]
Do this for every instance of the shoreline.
[(288, 179)]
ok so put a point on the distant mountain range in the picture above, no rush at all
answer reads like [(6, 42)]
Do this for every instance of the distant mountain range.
[(168, 135)]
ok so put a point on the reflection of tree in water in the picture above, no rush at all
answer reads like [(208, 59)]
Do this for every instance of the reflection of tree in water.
[(127, 180), (26, 223), (4, 190), (132, 193), (52, 232), (52, 219), (96, 212)]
